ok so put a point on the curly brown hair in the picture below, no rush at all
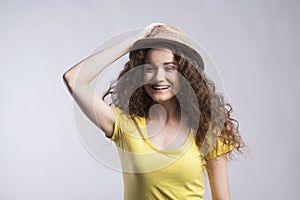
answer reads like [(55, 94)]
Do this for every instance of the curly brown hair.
[(213, 113)]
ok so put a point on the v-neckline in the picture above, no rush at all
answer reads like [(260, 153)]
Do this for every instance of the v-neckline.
[(188, 140)]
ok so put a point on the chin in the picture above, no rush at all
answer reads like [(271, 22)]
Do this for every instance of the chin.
[(161, 100)]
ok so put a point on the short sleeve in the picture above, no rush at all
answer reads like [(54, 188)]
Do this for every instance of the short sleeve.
[(219, 149), (123, 124)]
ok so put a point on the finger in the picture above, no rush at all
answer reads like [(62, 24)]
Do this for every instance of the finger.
[(154, 25)]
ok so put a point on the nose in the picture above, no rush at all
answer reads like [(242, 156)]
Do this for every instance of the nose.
[(159, 75)]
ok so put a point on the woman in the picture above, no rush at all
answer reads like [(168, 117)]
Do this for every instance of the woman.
[(167, 120)]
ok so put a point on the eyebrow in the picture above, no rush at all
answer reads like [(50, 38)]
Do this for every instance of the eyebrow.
[(165, 63)]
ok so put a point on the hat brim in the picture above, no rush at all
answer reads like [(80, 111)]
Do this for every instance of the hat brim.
[(190, 54)]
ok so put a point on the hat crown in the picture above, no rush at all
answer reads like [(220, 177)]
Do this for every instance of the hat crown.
[(169, 32)]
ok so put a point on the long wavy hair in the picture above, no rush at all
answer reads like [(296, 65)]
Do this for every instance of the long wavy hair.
[(209, 105)]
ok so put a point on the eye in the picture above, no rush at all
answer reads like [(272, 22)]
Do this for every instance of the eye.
[(149, 67), (169, 68)]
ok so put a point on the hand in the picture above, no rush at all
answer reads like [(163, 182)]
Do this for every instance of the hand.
[(151, 26), (147, 31)]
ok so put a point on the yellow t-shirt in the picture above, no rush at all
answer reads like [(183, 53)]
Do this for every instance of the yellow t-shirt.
[(151, 173)]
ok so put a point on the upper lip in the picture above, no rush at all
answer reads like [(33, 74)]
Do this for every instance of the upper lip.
[(156, 85)]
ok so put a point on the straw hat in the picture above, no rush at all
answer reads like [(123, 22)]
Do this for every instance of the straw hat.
[(168, 36)]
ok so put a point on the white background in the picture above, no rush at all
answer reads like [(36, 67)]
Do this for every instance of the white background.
[(255, 45)]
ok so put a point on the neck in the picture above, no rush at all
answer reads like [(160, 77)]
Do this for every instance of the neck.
[(166, 111)]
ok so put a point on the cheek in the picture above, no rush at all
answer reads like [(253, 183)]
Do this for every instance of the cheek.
[(174, 79), (176, 83), (147, 77)]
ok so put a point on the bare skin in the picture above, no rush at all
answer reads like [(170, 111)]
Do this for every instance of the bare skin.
[(166, 130), (218, 178), (80, 76)]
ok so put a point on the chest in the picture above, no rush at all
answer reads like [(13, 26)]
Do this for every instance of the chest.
[(167, 137), (184, 167)]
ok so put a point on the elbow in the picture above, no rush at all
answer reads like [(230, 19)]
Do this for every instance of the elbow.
[(71, 80), (67, 78)]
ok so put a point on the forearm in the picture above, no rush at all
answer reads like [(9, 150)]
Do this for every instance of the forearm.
[(218, 178), (86, 70)]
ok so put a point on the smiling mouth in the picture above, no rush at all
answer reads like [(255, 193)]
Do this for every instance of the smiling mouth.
[(160, 87)]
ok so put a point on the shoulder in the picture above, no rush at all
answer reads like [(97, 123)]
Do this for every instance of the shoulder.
[(126, 123), (216, 145)]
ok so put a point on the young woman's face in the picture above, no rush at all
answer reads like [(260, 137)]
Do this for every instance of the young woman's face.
[(161, 77)]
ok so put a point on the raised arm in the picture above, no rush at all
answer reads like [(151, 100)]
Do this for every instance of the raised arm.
[(218, 178), (79, 77)]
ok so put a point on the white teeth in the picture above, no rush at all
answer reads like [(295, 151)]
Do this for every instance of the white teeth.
[(160, 87)]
